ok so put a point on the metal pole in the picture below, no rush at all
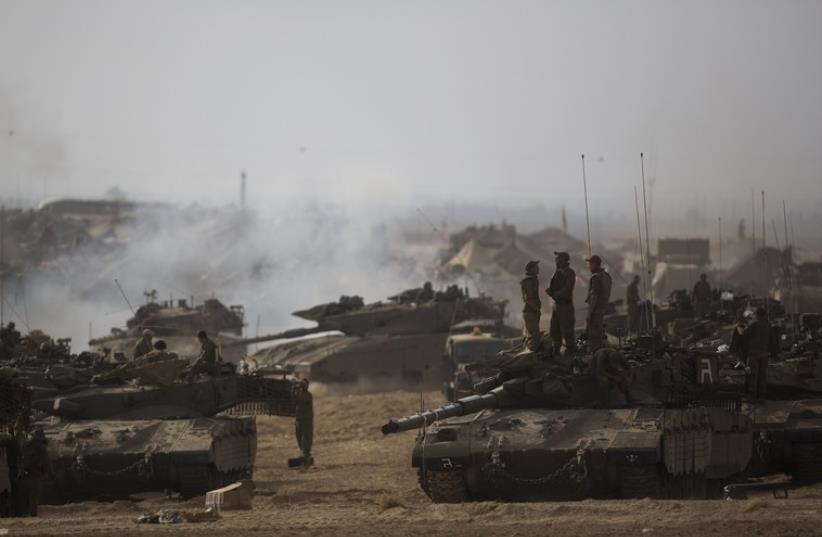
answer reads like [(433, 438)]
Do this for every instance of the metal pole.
[(753, 224), (719, 230), (585, 190), (764, 235), (647, 241)]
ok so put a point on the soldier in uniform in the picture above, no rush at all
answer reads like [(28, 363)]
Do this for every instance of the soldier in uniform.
[(9, 340), (701, 296), (610, 368), (755, 339), (34, 467), (561, 290), (531, 309), (143, 345), (209, 359), (304, 423), (632, 300), (599, 294)]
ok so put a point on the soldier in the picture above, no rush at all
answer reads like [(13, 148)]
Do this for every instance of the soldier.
[(755, 339), (208, 361), (610, 368), (143, 345), (701, 296), (304, 422), (531, 309), (561, 290), (632, 299), (599, 293), (9, 340), (35, 466), (426, 294)]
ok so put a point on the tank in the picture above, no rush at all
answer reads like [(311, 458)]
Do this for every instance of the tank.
[(663, 426), (189, 437), (397, 343), (177, 323)]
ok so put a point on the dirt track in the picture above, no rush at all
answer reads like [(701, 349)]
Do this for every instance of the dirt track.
[(363, 485)]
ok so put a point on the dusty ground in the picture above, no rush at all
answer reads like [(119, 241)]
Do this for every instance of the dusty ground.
[(363, 485)]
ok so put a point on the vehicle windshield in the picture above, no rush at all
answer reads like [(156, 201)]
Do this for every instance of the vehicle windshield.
[(478, 350)]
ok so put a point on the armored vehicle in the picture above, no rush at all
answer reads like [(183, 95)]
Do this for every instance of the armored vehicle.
[(177, 324), (396, 343), (675, 426), (188, 437)]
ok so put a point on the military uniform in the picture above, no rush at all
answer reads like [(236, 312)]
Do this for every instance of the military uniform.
[(9, 340), (599, 294), (610, 368), (208, 361), (632, 300), (531, 311), (755, 340), (141, 348), (304, 423), (701, 298), (561, 289)]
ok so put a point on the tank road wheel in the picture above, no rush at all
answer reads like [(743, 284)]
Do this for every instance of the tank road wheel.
[(640, 481), (445, 487), (807, 462)]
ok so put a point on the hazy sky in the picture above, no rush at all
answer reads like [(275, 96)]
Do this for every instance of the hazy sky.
[(409, 101)]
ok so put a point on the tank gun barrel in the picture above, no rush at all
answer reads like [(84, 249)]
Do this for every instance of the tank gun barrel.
[(287, 334), (460, 407)]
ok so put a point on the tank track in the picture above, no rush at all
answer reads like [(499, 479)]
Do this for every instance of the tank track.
[(444, 487), (807, 462)]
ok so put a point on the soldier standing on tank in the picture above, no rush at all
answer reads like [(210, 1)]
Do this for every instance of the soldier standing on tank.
[(9, 340), (143, 345), (755, 339), (632, 300), (304, 422), (561, 289), (531, 309), (599, 294), (701, 296)]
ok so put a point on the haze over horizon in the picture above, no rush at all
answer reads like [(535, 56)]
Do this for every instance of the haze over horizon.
[(385, 103)]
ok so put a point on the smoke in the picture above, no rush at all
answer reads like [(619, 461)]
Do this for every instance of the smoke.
[(272, 261)]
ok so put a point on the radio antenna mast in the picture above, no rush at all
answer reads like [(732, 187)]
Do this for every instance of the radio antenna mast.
[(647, 240), (585, 190)]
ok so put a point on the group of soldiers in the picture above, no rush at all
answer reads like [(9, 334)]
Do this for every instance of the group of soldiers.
[(561, 290), (753, 336)]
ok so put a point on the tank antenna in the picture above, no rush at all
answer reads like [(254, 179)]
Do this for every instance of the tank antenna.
[(647, 241), (120, 287), (585, 191), (719, 233), (2, 260), (642, 312)]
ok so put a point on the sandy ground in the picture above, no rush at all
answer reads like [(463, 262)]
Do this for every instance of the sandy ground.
[(363, 485)]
